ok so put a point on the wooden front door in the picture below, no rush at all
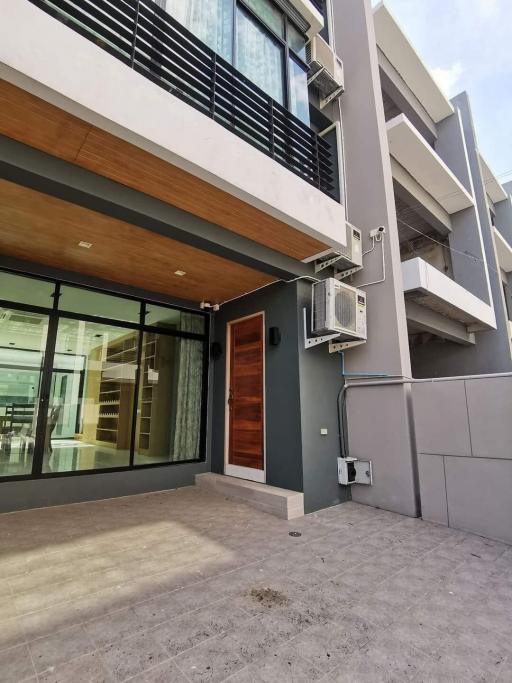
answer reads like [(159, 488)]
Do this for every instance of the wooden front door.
[(245, 399)]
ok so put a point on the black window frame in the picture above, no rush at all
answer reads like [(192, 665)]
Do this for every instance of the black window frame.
[(55, 314), (282, 40)]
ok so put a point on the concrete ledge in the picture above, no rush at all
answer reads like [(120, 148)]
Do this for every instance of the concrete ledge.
[(279, 502)]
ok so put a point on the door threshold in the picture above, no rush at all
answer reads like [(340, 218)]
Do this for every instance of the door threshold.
[(279, 502)]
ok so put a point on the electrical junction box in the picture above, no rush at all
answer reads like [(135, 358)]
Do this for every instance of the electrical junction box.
[(354, 471)]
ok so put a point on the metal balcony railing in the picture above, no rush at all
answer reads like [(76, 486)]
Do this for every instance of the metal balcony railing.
[(154, 44)]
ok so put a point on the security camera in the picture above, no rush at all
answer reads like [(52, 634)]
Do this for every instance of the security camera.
[(378, 232)]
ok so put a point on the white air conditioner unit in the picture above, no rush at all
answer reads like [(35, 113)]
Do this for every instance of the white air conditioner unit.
[(325, 70), (349, 258), (339, 308)]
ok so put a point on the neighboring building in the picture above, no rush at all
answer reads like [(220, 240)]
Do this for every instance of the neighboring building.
[(447, 201), (169, 185)]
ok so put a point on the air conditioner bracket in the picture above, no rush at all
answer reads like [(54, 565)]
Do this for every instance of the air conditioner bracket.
[(336, 347), (309, 342), (342, 274)]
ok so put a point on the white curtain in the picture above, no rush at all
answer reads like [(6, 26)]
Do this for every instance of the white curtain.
[(259, 57), (189, 395), (299, 99), (209, 20)]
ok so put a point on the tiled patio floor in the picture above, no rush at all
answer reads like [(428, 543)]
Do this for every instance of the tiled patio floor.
[(187, 586)]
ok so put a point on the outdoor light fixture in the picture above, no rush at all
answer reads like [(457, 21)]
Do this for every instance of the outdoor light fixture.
[(180, 273), (85, 245)]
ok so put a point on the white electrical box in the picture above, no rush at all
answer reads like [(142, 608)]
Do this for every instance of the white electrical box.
[(354, 471)]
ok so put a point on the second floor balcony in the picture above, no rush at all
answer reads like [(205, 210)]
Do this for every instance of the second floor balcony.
[(168, 92)]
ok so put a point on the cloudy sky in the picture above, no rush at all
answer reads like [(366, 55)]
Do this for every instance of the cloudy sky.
[(468, 46)]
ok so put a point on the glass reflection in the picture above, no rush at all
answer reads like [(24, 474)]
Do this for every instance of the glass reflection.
[(22, 347), (91, 401)]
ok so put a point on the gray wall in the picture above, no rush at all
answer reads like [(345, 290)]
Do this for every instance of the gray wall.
[(370, 203), (464, 440), (466, 236)]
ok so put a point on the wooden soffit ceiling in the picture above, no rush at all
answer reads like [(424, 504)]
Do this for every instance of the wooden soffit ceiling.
[(37, 123), (37, 227)]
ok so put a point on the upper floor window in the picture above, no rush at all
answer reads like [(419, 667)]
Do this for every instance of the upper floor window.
[(258, 39)]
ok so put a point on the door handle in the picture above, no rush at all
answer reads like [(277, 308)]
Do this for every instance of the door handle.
[(230, 397)]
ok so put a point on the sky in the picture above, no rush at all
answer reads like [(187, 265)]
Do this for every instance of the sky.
[(467, 44)]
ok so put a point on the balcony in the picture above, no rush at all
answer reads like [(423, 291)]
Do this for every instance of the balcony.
[(428, 287), (413, 153), (492, 185), (149, 40), (167, 117), (400, 52), (504, 251)]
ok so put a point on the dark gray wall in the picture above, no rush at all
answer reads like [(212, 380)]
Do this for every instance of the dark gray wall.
[(301, 392), (320, 383), (36, 493), (283, 417)]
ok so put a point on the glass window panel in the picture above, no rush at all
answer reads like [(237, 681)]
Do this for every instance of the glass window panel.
[(170, 318), (269, 13), (170, 400), (296, 41), (299, 99), (90, 411), (209, 20), (26, 290), (259, 57), (86, 302), (22, 348)]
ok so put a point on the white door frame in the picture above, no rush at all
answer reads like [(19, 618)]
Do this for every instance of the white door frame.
[(233, 470)]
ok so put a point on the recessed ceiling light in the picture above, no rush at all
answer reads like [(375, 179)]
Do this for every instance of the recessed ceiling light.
[(85, 245), (180, 273)]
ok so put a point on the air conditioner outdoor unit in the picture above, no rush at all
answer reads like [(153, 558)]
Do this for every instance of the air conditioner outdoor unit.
[(325, 70), (338, 307), (347, 258)]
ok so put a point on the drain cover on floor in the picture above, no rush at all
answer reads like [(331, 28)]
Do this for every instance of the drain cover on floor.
[(295, 534)]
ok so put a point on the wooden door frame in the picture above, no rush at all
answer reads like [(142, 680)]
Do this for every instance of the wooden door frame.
[(235, 470)]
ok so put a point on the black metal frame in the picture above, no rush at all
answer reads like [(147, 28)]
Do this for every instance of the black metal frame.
[(150, 41), (54, 315)]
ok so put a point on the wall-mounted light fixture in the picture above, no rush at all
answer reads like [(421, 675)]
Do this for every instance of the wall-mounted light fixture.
[(274, 336)]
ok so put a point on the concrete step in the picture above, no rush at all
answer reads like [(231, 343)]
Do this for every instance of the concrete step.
[(279, 502)]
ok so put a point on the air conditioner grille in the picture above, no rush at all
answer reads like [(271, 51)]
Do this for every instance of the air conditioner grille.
[(345, 309), (319, 308)]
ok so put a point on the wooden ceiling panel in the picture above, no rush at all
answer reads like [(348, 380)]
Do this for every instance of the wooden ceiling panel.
[(39, 124), (47, 230)]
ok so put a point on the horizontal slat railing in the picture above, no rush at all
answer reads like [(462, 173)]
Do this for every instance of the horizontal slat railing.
[(153, 43)]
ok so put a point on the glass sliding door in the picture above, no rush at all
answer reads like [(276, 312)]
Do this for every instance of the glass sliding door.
[(169, 406), (23, 338), (90, 411), (92, 381)]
